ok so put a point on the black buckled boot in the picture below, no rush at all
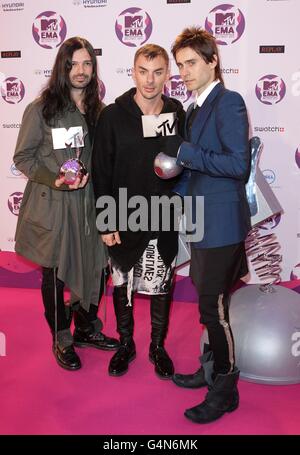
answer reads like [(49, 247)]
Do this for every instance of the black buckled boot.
[(118, 364), (88, 333), (223, 396), (160, 311), (201, 377)]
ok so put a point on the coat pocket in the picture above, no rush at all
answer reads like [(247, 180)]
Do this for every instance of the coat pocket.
[(42, 209)]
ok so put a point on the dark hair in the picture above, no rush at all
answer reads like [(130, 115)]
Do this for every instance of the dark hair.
[(201, 42), (56, 97), (151, 51)]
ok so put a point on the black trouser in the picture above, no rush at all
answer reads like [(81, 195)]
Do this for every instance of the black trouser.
[(214, 313), (49, 279)]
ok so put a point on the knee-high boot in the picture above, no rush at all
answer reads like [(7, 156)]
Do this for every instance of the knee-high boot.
[(125, 323), (160, 311)]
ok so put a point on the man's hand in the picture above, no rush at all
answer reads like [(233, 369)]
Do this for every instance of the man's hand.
[(111, 239), (79, 183)]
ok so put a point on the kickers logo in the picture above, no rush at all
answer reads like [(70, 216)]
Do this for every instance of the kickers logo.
[(270, 89), (12, 90), (133, 27), (176, 88), (226, 23), (49, 30)]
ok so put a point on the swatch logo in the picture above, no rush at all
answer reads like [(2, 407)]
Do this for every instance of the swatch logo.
[(295, 273), (176, 88), (297, 157), (102, 89), (226, 23), (270, 89), (271, 223), (269, 175), (133, 27), (49, 29), (12, 90), (14, 202)]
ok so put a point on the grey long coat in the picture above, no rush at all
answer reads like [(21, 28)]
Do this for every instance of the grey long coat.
[(56, 226)]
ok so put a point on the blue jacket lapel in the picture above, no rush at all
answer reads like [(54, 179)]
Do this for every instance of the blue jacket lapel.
[(204, 112)]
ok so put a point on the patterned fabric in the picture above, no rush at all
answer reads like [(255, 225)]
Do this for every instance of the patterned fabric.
[(148, 276)]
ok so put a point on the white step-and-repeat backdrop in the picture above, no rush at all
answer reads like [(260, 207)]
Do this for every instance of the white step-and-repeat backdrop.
[(259, 48)]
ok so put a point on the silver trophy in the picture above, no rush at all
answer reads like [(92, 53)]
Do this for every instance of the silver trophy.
[(73, 167)]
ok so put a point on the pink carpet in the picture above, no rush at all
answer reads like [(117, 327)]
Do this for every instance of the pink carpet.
[(38, 397)]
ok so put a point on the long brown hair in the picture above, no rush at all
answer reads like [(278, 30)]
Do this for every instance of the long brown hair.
[(56, 97), (201, 42)]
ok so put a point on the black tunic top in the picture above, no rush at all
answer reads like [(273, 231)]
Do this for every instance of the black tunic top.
[(123, 158)]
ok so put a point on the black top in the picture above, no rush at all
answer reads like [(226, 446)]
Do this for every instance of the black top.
[(123, 158)]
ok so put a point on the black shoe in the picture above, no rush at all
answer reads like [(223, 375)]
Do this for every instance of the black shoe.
[(164, 367), (95, 340), (118, 364), (67, 357), (190, 381), (206, 413), (223, 396)]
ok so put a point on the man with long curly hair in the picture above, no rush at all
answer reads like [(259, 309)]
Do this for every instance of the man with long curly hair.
[(56, 226)]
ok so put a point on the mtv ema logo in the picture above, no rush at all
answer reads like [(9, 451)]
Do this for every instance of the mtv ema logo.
[(49, 29), (226, 23), (295, 273), (271, 223), (297, 157), (14, 202), (12, 90), (133, 27), (102, 89), (176, 88), (270, 89)]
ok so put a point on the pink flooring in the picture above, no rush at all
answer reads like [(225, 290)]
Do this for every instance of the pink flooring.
[(38, 397)]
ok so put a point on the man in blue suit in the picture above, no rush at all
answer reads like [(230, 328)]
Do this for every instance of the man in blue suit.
[(216, 158)]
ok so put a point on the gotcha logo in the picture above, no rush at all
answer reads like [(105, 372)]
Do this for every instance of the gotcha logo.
[(295, 273), (176, 88), (226, 23), (12, 90), (49, 29), (133, 27), (270, 89), (14, 202), (297, 157)]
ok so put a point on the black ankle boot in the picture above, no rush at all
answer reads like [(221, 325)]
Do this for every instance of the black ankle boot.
[(223, 396), (160, 310), (201, 377), (118, 365), (85, 334), (164, 367)]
